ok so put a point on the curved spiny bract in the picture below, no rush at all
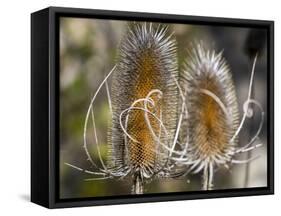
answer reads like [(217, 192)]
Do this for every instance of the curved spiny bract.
[(212, 107), (147, 66)]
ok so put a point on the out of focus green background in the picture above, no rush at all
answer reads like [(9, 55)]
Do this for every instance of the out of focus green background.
[(88, 49)]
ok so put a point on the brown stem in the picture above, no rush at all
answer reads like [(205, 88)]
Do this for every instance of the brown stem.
[(207, 179), (138, 184)]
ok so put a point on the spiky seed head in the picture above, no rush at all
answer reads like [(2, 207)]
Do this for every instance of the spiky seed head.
[(147, 61), (212, 106)]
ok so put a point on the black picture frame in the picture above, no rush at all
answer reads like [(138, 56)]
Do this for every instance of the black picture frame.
[(45, 106)]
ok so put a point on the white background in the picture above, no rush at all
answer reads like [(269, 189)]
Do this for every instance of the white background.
[(15, 107)]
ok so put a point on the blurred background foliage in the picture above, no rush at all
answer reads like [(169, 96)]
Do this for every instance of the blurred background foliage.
[(88, 50)]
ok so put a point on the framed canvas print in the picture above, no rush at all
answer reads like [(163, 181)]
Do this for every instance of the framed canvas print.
[(139, 107)]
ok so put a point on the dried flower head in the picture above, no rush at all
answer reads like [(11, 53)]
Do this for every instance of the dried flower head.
[(144, 100), (211, 127), (143, 103), (212, 108)]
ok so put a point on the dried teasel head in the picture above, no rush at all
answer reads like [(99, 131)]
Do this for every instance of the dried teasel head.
[(212, 106), (144, 100)]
